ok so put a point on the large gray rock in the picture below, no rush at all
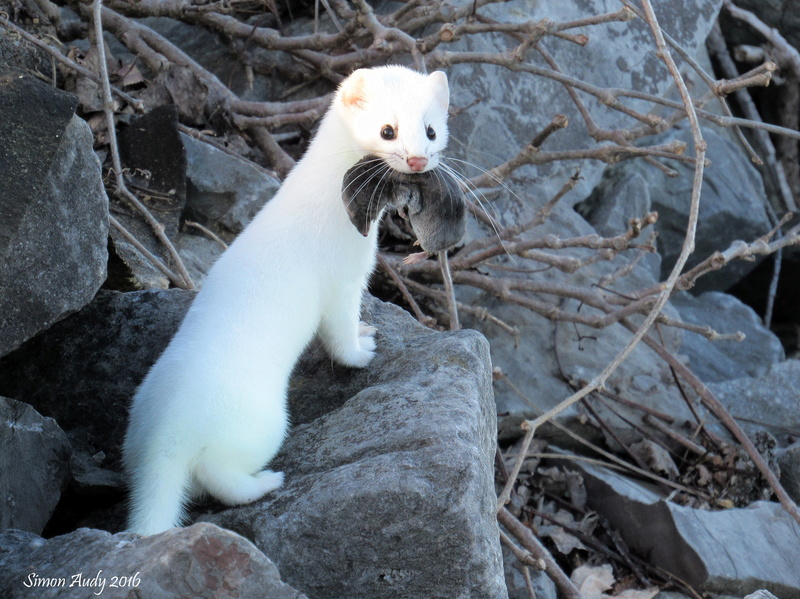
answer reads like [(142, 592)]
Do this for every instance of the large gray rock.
[(84, 370), (509, 109), (513, 107), (391, 494), (34, 466), (789, 462), (735, 551), (715, 361), (202, 561), (732, 204), (53, 209), (224, 192), (769, 402), (398, 496)]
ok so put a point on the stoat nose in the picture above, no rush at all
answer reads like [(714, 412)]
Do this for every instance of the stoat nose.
[(417, 163)]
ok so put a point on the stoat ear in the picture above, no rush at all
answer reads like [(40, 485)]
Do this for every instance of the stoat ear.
[(441, 91), (353, 90)]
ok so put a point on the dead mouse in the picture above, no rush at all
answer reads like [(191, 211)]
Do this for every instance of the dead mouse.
[(433, 203)]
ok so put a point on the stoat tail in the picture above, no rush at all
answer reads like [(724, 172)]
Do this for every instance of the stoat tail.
[(159, 492)]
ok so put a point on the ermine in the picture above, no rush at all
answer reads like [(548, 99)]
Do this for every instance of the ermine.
[(211, 413)]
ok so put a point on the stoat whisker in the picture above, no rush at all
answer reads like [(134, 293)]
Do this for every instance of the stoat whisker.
[(473, 191), (370, 175)]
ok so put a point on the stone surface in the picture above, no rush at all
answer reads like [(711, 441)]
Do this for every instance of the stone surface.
[(508, 111), (53, 210), (769, 402), (202, 561), (548, 355), (715, 361), (391, 494), (34, 466), (83, 370), (224, 192), (731, 208), (396, 458), (514, 107), (735, 551), (515, 581), (789, 463)]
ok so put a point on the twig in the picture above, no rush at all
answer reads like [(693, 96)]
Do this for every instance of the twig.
[(713, 404), (532, 544), (137, 104), (183, 280), (418, 314)]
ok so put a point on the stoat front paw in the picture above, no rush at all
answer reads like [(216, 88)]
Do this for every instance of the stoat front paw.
[(365, 350), (365, 330)]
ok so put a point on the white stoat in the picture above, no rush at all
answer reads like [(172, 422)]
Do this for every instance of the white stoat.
[(211, 413)]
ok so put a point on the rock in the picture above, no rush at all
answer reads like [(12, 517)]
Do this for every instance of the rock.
[(761, 594), (224, 192), (83, 370), (34, 466), (715, 361), (506, 112), (202, 561), (548, 356), (732, 206), (515, 581), (514, 107), (152, 153), (399, 497), (733, 551), (769, 402), (789, 463), (53, 210), (198, 255), (391, 494), (780, 14)]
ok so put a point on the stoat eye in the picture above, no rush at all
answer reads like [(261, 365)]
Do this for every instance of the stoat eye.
[(430, 133), (387, 132)]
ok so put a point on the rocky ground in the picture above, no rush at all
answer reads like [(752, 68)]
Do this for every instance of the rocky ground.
[(393, 473)]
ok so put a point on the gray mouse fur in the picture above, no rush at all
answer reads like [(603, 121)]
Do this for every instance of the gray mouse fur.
[(433, 201)]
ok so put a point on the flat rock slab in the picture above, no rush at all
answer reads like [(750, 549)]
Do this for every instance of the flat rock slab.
[(733, 552), (34, 466), (769, 402), (391, 495), (53, 209), (84, 370), (202, 561), (715, 361)]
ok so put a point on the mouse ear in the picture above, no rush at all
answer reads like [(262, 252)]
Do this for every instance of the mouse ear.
[(353, 90), (441, 91)]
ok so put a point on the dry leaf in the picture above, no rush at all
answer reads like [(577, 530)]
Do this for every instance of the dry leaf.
[(637, 594), (593, 581), (564, 541), (656, 457)]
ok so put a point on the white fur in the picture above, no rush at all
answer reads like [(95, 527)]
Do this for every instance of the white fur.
[(212, 413)]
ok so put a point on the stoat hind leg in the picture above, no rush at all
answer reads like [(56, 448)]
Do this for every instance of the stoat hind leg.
[(348, 340), (233, 485), (159, 492)]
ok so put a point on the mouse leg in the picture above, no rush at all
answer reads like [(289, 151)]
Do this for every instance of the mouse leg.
[(349, 341)]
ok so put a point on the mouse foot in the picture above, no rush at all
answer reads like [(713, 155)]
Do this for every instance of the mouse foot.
[(415, 258)]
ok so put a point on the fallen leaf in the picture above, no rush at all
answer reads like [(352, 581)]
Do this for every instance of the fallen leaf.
[(636, 594), (593, 581), (564, 541), (656, 457)]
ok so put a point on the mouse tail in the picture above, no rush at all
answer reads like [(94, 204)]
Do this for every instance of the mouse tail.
[(159, 493)]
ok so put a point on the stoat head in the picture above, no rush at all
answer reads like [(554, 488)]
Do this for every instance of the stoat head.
[(397, 114)]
